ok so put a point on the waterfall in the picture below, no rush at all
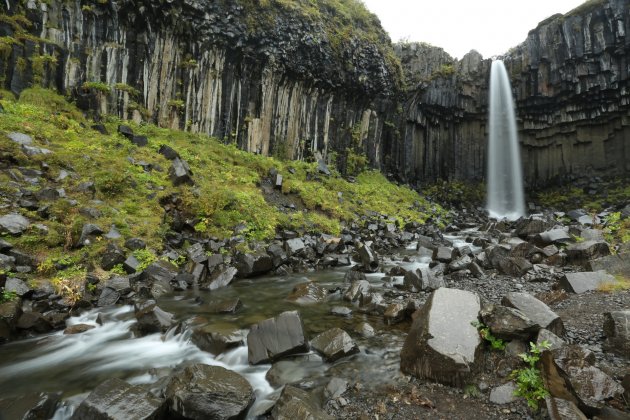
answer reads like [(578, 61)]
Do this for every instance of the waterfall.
[(505, 178)]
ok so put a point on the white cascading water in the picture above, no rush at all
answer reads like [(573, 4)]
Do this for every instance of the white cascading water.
[(505, 179)]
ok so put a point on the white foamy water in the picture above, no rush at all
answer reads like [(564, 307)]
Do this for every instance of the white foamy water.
[(63, 362)]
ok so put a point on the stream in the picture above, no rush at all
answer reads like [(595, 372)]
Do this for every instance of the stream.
[(75, 364)]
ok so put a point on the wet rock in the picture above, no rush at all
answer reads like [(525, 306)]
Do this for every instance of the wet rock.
[(587, 250), (442, 344), (369, 259), (295, 403), (552, 340), (274, 338), (535, 310), (254, 264), (496, 254), (152, 319), (561, 409), (108, 297), (294, 246), (461, 263), (115, 399), (208, 392), (591, 385), (33, 321), (508, 323), (356, 290), (295, 369), (209, 339), (17, 286), (443, 254), (353, 275), (13, 224), (229, 306), (159, 274), (515, 266), (39, 406), (334, 344), (364, 330), (585, 281), (395, 313), (335, 388), (528, 228), (135, 244), (168, 152), (180, 172), (221, 278), (617, 332), (9, 314), (308, 292), (77, 329), (503, 394), (112, 256)]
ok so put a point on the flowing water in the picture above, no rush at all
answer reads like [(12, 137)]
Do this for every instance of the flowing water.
[(505, 179), (76, 364)]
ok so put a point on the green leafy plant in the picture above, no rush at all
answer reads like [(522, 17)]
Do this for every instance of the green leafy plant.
[(484, 332), (529, 381), (145, 257), (118, 269), (8, 296)]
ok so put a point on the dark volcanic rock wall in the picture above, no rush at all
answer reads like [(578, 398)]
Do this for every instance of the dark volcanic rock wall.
[(571, 85), (276, 79)]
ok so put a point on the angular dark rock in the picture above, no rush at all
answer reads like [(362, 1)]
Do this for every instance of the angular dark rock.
[(369, 258), (275, 338), (508, 323), (126, 131), (160, 274), (587, 250), (140, 141), (208, 392), (618, 264), (34, 321), (585, 281), (131, 264), (308, 292), (168, 152), (553, 340), (443, 254), (112, 256), (535, 310), (30, 406), (617, 332), (13, 224), (364, 330), (152, 319), (395, 313), (197, 253), (515, 266), (100, 128), (442, 344), (135, 244), (295, 403), (294, 246), (180, 173), (115, 399), (356, 290), (215, 341), (220, 278), (254, 264), (7, 263), (334, 344), (17, 286), (9, 314)]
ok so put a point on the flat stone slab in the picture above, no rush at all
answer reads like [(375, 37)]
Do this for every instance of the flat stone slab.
[(535, 310), (275, 338), (585, 281), (617, 332), (115, 399), (508, 323), (554, 236), (209, 392), (334, 344), (442, 344)]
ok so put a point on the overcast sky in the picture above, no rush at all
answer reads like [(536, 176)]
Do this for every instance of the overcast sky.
[(489, 26)]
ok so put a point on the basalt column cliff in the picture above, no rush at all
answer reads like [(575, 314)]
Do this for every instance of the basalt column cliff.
[(282, 78), (571, 85), (294, 78)]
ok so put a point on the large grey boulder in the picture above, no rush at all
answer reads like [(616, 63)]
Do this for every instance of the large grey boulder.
[(253, 264), (31, 406), (535, 310), (356, 290), (115, 399), (334, 344), (151, 318), (422, 279), (618, 264), (180, 172), (553, 236), (275, 338), (9, 314), (295, 403), (587, 250), (202, 392), (617, 332), (13, 224), (515, 266), (159, 274), (508, 323), (369, 258), (220, 278), (217, 340), (585, 281), (442, 344)]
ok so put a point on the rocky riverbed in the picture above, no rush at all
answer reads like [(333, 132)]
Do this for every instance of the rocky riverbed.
[(375, 323)]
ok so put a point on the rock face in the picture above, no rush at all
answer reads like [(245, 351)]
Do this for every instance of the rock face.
[(617, 332), (442, 344), (273, 338), (585, 281), (115, 399), (535, 310), (209, 392)]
